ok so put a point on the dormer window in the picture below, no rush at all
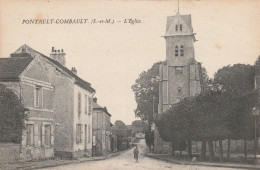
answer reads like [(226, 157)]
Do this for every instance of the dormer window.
[(176, 51), (176, 28), (180, 27), (182, 51)]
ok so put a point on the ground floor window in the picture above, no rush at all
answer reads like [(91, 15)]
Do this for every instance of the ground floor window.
[(47, 132), (88, 133), (29, 134), (79, 133)]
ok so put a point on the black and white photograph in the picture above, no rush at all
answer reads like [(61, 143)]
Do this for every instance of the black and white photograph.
[(129, 84)]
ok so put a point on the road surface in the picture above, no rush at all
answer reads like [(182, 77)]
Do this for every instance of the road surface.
[(125, 161)]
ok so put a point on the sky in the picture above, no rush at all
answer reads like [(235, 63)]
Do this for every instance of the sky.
[(111, 56)]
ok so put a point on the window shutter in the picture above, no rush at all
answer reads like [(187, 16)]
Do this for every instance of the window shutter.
[(52, 134), (43, 135), (89, 105), (35, 134)]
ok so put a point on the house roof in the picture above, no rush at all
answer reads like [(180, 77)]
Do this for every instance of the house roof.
[(97, 106), (11, 68), (82, 83)]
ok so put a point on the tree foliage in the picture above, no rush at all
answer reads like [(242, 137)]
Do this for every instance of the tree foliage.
[(216, 114), (119, 124), (12, 116), (145, 87)]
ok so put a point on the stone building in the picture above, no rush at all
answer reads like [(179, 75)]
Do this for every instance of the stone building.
[(72, 104), (101, 129), (25, 75), (180, 74)]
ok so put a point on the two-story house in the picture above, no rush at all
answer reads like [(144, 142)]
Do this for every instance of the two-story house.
[(101, 129), (72, 104), (26, 76)]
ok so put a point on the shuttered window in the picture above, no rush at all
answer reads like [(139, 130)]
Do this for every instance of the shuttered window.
[(89, 105), (88, 133), (86, 104), (79, 104), (79, 133), (47, 132)]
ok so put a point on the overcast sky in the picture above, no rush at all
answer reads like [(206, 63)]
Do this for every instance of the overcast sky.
[(111, 56)]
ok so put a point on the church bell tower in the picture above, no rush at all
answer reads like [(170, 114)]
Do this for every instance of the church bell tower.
[(180, 74)]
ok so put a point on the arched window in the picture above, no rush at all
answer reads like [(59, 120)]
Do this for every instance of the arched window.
[(182, 51), (180, 27), (176, 51), (176, 28)]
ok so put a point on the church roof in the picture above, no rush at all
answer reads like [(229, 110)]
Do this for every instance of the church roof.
[(185, 20), (11, 68), (82, 83)]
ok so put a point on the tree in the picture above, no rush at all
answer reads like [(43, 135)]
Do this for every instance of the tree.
[(145, 87), (138, 124), (257, 66), (119, 124), (12, 116), (236, 80)]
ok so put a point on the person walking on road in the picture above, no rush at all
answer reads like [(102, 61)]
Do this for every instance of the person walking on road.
[(136, 152)]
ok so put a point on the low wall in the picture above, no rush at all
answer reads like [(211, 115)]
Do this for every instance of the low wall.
[(9, 152)]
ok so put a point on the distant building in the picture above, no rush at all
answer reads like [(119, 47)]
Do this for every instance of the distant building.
[(26, 76), (180, 74), (101, 129), (72, 104)]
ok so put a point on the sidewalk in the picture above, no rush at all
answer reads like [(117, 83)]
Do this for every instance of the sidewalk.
[(169, 158), (51, 163)]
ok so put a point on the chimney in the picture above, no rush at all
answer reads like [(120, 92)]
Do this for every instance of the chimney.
[(58, 56), (73, 70), (95, 100)]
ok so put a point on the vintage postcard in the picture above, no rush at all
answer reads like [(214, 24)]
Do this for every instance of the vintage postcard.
[(129, 84)]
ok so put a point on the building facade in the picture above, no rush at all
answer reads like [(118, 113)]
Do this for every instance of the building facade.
[(101, 130), (180, 74), (25, 75), (72, 104)]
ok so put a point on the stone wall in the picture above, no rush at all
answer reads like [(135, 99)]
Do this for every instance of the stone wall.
[(9, 152)]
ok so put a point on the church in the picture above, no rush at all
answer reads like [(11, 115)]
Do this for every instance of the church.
[(180, 74)]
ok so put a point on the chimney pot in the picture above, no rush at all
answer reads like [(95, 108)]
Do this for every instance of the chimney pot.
[(58, 51), (62, 50), (73, 70), (95, 100), (52, 50)]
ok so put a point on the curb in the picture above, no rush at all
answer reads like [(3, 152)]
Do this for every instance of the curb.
[(74, 161), (201, 164)]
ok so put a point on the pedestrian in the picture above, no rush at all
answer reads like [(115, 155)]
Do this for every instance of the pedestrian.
[(136, 152)]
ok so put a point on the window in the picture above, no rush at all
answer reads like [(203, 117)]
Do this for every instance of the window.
[(78, 133), (36, 97), (88, 133), (47, 132), (29, 135), (89, 105), (86, 104), (79, 104), (180, 27), (178, 70), (182, 51), (176, 51), (179, 91), (176, 28)]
